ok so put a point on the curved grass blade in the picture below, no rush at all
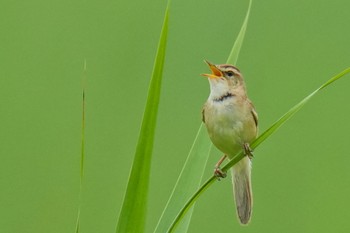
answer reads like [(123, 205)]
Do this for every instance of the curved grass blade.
[(193, 169), (233, 57), (133, 213), (187, 183), (82, 155), (254, 145)]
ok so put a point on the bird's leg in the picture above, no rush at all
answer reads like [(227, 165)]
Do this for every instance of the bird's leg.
[(217, 170), (247, 150)]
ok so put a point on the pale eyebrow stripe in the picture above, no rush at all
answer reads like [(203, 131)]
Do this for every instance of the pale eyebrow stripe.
[(229, 66)]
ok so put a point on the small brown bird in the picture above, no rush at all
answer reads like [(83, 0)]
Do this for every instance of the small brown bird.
[(231, 122)]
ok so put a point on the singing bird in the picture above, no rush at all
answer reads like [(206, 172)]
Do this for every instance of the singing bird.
[(232, 124)]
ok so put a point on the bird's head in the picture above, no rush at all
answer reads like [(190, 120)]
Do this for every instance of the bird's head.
[(225, 78)]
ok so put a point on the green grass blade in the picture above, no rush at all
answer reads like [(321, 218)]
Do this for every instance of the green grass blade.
[(254, 145), (133, 213), (83, 127), (233, 57), (187, 183), (82, 154), (294, 110), (193, 170)]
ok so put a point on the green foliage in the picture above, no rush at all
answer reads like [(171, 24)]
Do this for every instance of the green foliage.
[(46, 147), (187, 183), (177, 214), (233, 57), (82, 154), (133, 213)]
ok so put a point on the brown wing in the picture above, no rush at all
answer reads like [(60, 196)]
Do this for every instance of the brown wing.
[(255, 116), (254, 113)]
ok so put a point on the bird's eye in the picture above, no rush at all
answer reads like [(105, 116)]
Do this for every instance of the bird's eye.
[(229, 73)]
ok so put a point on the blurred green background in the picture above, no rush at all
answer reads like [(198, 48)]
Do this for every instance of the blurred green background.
[(300, 175)]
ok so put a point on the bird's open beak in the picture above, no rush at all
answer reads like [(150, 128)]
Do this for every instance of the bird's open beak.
[(216, 73)]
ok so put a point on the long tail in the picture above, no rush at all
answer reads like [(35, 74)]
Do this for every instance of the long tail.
[(242, 187)]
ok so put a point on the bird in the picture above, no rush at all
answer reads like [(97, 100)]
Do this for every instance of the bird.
[(232, 124)]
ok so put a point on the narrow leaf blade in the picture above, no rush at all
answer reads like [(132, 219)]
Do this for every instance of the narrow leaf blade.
[(187, 183), (133, 213), (233, 57), (82, 153)]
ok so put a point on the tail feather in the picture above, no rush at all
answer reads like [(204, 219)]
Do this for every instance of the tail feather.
[(242, 187)]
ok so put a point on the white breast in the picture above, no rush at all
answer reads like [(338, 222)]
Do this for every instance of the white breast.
[(228, 125)]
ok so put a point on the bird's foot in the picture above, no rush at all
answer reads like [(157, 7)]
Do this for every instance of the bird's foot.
[(247, 150), (218, 173)]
